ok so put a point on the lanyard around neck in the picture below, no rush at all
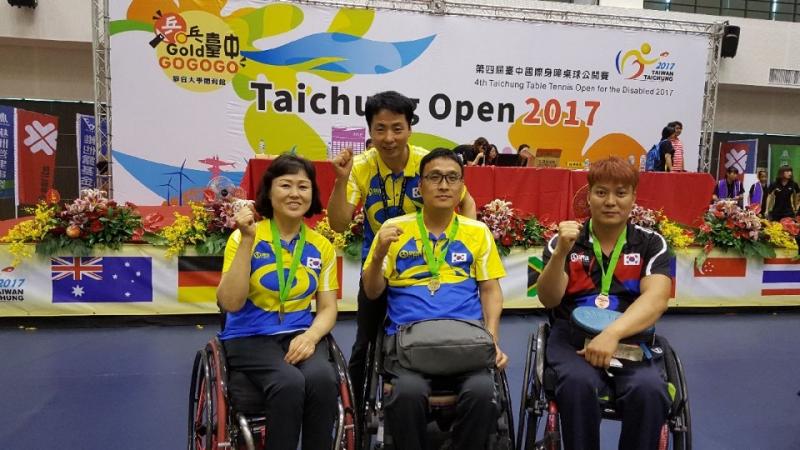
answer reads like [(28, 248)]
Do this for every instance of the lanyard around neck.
[(435, 261), (385, 196), (285, 282), (607, 274)]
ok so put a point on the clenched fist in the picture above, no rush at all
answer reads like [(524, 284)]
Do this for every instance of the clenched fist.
[(386, 235), (343, 163), (568, 232), (246, 220)]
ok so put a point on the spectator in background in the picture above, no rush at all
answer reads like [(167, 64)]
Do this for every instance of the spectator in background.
[(526, 158), (666, 152), (677, 160), (730, 187), (758, 193), (782, 195), (491, 156), (475, 155), (368, 144)]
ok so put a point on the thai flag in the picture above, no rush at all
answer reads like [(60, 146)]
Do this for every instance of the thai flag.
[(781, 276), (105, 279)]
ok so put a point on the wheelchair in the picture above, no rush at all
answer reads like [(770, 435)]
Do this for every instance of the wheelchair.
[(441, 404), (220, 421), (538, 400)]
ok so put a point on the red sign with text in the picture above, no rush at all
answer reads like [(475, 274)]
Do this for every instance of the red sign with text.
[(37, 135)]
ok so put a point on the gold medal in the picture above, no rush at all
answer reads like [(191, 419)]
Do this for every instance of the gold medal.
[(602, 301), (434, 285)]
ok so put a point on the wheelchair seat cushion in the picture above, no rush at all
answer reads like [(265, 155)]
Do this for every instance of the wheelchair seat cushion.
[(245, 397)]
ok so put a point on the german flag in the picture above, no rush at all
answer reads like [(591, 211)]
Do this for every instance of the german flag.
[(198, 277)]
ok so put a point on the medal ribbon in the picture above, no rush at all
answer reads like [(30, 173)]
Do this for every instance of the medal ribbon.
[(607, 274), (435, 261), (285, 283)]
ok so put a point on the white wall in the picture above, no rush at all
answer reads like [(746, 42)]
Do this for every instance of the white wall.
[(52, 20), (46, 54)]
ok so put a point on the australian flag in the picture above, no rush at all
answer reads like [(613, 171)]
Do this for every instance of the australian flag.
[(103, 279)]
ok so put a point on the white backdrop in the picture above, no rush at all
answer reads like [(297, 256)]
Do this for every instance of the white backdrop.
[(301, 58)]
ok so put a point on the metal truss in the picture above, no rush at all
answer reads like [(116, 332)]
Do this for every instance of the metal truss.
[(102, 93), (581, 15)]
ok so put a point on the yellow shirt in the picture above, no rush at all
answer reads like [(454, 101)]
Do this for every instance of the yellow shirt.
[(471, 257), (316, 272)]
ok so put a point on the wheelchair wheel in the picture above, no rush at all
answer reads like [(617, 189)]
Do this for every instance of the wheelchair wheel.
[(346, 427), (533, 404), (681, 422), (201, 419)]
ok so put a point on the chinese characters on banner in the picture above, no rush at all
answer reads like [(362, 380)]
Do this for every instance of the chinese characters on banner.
[(37, 135), (87, 153), (7, 146)]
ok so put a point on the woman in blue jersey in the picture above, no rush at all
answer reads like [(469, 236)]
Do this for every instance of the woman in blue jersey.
[(274, 266)]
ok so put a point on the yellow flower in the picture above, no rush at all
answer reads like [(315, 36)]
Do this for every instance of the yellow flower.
[(675, 234), (777, 235), (323, 227), (32, 230)]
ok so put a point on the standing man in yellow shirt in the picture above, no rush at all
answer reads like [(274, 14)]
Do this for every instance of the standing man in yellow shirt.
[(386, 179)]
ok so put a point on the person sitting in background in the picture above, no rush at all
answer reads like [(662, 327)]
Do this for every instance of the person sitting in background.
[(729, 188), (757, 196), (526, 157), (491, 156), (677, 159), (782, 196), (475, 155)]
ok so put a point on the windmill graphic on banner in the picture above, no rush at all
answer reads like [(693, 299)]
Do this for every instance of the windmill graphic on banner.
[(181, 176)]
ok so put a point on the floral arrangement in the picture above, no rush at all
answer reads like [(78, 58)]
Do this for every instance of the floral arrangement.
[(511, 228), (208, 227), (676, 235), (92, 220), (351, 240), (727, 226), (782, 234)]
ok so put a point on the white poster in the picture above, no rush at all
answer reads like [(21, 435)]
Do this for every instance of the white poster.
[(198, 90)]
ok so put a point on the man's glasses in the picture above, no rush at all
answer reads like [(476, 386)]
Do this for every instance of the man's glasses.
[(437, 177)]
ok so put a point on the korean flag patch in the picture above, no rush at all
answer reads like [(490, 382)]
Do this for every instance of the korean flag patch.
[(459, 257), (632, 259), (415, 192), (313, 263)]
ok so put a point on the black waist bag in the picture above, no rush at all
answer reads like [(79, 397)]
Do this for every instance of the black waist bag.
[(443, 347)]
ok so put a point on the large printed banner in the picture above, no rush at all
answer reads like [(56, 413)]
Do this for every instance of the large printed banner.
[(783, 155), (87, 154), (741, 155), (37, 137), (201, 86), (8, 144), (139, 280)]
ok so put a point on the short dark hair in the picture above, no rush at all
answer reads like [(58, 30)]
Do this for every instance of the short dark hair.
[(732, 169), (480, 142), (782, 170), (522, 146), (675, 124), (390, 101), (667, 132), (282, 165), (439, 153)]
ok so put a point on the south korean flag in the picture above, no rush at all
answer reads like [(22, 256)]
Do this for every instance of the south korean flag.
[(458, 257), (632, 259), (313, 263)]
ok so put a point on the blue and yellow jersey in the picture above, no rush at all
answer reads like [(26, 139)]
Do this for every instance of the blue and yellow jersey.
[(364, 185), (259, 315), (471, 257)]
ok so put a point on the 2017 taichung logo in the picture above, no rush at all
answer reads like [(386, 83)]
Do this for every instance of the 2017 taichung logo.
[(197, 50), (637, 64)]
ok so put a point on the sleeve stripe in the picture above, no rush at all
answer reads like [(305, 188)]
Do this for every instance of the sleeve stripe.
[(649, 269), (485, 258)]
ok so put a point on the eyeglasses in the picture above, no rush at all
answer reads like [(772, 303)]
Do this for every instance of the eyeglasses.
[(436, 178)]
